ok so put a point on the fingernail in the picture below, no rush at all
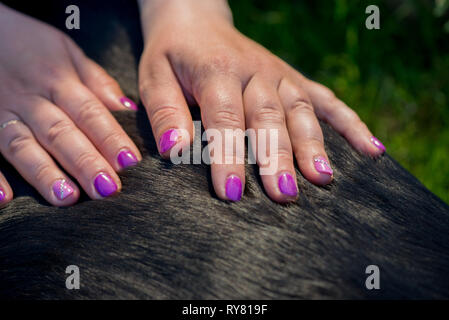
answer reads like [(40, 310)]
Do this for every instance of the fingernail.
[(287, 185), (168, 140), (2, 195), (377, 143), (105, 185), (127, 102), (234, 188), (322, 166), (62, 189), (126, 159)]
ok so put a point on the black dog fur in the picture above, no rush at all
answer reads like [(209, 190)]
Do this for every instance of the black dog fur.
[(168, 236)]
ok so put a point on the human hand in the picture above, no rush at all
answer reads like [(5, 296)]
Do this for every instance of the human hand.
[(54, 111), (194, 54)]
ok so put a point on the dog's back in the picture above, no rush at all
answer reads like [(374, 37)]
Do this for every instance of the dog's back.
[(167, 235)]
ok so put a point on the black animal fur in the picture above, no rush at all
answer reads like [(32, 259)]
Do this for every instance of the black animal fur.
[(167, 235)]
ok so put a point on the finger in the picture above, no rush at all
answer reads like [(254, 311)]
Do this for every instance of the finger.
[(221, 106), (305, 134), (166, 106), (19, 147), (97, 123), (264, 111), (343, 119), (58, 134), (100, 82), (6, 194)]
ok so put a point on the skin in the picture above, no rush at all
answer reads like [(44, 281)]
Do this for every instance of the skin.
[(194, 55), (62, 99)]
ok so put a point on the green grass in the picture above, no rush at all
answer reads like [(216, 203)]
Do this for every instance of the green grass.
[(396, 78)]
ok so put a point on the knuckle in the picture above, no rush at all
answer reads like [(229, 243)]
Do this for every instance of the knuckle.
[(52, 72), (162, 113), (84, 160), (42, 170), (338, 110), (359, 124), (18, 143), (354, 116), (111, 139), (58, 129), (270, 113), (282, 153), (328, 96), (264, 63), (315, 138), (226, 119), (218, 65), (89, 109), (362, 126), (102, 79), (152, 87), (301, 105), (351, 117), (355, 124)]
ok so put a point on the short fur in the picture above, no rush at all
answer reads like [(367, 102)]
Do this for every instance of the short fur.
[(168, 236)]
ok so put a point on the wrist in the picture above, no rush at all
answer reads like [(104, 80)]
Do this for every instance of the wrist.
[(168, 12)]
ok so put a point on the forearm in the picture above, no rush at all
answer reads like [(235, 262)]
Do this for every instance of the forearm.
[(181, 11)]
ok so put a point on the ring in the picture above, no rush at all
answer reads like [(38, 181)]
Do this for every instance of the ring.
[(8, 123)]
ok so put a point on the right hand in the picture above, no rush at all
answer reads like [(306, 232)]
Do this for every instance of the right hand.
[(193, 53), (54, 110)]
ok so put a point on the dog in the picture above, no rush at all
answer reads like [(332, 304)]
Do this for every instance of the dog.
[(374, 233)]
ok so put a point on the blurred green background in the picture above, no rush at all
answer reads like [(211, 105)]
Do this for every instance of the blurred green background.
[(396, 78)]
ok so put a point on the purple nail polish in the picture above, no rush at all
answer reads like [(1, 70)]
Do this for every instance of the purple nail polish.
[(126, 159), (2, 195), (168, 140), (62, 189), (377, 143), (287, 185), (127, 102), (105, 185), (322, 166), (234, 188)]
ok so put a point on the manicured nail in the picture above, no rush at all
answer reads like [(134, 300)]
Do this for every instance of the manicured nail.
[(287, 185), (168, 140), (126, 159), (127, 102), (62, 189), (234, 188), (377, 143), (2, 195), (322, 166), (105, 185)]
